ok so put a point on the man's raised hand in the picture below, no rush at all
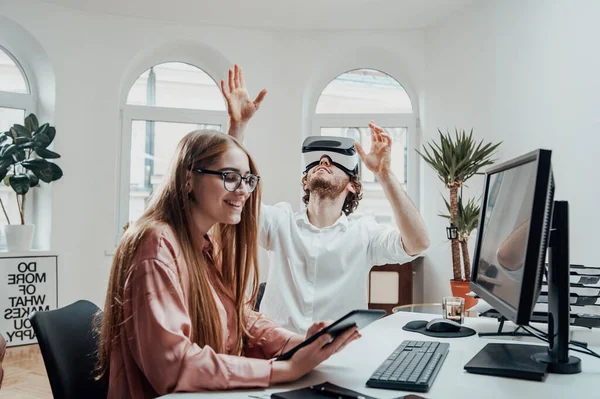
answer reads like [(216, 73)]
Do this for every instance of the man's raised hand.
[(239, 106)]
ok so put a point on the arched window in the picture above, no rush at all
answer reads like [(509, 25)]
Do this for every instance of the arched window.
[(164, 104), (345, 108), (16, 101)]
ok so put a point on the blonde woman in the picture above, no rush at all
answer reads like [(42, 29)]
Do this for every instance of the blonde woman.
[(177, 315)]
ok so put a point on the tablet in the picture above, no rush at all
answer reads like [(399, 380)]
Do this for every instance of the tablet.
[(360, 318)]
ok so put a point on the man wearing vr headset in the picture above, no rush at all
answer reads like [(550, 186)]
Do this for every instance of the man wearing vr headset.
[(322, 255)]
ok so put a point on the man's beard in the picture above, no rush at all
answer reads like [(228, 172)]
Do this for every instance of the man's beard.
[(327, 189)]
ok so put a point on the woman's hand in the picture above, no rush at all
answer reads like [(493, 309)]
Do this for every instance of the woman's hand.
[(315, 328), (298, 338), (311, 356)]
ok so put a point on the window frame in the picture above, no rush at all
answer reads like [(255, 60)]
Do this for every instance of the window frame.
[(24, 101), (28, 103), (130, 113), (402, 120)]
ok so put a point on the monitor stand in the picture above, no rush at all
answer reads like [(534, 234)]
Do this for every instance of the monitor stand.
[(557, 356), (534, 361), (509, 360), (500, 333)]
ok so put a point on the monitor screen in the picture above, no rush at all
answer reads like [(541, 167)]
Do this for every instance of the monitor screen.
[(505, 230)]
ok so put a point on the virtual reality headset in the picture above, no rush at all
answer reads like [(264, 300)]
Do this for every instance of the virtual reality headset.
[(340, 150)]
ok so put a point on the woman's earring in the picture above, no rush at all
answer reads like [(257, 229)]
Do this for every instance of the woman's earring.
[(190, 196)]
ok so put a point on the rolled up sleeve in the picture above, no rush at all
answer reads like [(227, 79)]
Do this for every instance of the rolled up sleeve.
[(266, 339), (271, 217), (385, 245), (158, 332)]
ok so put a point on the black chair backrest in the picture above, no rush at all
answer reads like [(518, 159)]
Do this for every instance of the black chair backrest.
[(259, 296), (69, 347)]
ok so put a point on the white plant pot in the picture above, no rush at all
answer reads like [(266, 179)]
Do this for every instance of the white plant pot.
[(19, 237)]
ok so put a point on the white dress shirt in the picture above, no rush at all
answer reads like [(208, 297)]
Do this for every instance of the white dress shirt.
[(321, 274)]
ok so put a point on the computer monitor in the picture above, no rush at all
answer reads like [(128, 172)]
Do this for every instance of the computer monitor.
[(512, 238), (519, 222)]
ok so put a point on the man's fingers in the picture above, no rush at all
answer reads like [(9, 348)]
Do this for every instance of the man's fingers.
[(236, 78), (376, 136), (230, 78), (387, 139), (376, 133), (260, 98), (373, 134), (372, 125), (359, 149), (223, 89), (242, 81)]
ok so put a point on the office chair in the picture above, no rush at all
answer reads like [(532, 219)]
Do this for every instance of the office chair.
[(259, 296), (68, 345)]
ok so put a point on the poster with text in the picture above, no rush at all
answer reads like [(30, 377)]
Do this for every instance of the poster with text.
[(26, 285)]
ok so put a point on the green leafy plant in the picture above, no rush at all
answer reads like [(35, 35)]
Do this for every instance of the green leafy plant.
[(466, 221), (24, 158), (455, 160)]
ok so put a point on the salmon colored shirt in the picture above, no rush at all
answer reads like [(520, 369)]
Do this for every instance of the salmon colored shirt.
[(155, 355)]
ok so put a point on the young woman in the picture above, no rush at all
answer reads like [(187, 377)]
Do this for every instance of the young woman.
[(177, 315)]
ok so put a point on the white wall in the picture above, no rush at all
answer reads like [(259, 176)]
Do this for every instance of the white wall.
[(525, 73), (95, 57)]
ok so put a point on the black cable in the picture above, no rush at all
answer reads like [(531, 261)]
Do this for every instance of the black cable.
[(538, 330), (579, 343), (587, 351), (540, 337), (543, 336), (571, 342)]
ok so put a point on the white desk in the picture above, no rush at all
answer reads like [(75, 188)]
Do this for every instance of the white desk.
[(352, 367)]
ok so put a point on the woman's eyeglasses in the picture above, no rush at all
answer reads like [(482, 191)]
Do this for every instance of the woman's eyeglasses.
[(232, 180)]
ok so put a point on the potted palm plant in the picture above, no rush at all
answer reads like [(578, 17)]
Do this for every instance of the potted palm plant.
[(466, 221), (455, 160), (24, 163)]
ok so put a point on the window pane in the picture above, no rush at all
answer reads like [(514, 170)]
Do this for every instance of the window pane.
[(398, 135), (364, 91), (153, 145), (12, 78), (8, 117), (176, 85)]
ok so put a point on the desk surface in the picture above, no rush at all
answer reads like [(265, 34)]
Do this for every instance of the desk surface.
[(352, 367)]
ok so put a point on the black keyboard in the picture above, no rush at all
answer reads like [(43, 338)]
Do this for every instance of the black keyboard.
[(411, 367)]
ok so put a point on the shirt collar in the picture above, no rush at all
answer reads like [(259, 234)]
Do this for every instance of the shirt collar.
[(302, 217), (208, 246)]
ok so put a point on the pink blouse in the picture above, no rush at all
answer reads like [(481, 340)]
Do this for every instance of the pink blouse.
[(155, 356)]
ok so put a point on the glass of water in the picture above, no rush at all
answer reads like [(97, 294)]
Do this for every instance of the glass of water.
[(453, 308)]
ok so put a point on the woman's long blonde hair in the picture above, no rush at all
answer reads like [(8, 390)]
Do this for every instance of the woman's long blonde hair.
[(235, 246)]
